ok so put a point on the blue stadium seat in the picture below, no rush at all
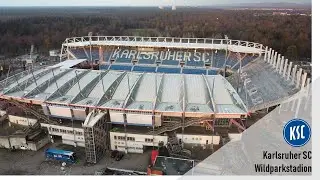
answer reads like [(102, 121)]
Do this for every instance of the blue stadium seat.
[(107, 55), (218, 60), (193, 63), (144, 60), (169, 70), (121, 67), (104, 67), (194, 71), (144, 68), (147, 61), (94, 53), (212, 72), (79, 53), (170, 61), (123, 60)]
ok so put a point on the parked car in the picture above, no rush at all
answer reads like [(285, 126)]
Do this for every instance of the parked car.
[(114, 153), (119, 156)]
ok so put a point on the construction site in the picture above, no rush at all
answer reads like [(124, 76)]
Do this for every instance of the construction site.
[(139, 94)]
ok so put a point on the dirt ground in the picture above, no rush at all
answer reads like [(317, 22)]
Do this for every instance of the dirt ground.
[(34, 163)]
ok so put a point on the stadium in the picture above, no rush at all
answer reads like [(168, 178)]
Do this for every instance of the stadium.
[(132, 93)]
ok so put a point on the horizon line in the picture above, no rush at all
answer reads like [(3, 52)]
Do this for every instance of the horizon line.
[(218, 4)]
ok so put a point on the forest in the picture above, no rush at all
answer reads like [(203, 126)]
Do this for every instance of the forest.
[(48, 28)]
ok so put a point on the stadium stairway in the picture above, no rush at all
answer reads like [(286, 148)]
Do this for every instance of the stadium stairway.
[(176, 125), (173, 143), (32, 111), (175, 148), (35, 129)]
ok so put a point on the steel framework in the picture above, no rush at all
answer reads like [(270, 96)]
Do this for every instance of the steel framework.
[(162, 42), (96, 136)]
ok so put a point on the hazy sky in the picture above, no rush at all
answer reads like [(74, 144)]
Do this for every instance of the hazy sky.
[(132, 2)]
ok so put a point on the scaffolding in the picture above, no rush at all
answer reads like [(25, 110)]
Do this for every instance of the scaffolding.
[(96, 134)]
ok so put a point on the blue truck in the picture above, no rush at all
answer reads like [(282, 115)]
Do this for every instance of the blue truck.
[(60, 155)]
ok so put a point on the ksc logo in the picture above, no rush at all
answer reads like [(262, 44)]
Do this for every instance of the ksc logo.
[(297, 132)]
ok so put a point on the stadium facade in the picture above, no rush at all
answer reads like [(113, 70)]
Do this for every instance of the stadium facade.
[(131, 93)]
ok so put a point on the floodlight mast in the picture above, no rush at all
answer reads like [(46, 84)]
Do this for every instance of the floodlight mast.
[(90, 36), (225, 61)]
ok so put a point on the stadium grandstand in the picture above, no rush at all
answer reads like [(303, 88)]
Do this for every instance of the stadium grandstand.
[(132, 93), (164, 61)]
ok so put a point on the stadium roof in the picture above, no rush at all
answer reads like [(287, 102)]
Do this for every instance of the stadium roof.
[(119, 90), (69, 63)]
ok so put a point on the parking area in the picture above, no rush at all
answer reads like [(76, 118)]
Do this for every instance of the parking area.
[(34, 163)]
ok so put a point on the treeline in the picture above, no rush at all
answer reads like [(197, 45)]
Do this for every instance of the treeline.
[(289, 35)]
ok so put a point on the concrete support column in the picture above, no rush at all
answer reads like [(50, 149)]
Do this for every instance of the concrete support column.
[(308, 85), (308, 93), (271, 58), (285, 68), (274, 65), (281, 65), (299, 78), (293, 104), (274, 60), (298, 107), (303, 80), (278, 62), (268, 55), (294, 74), (289, 71), (279, 109), (286, 106), (265, 54)]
